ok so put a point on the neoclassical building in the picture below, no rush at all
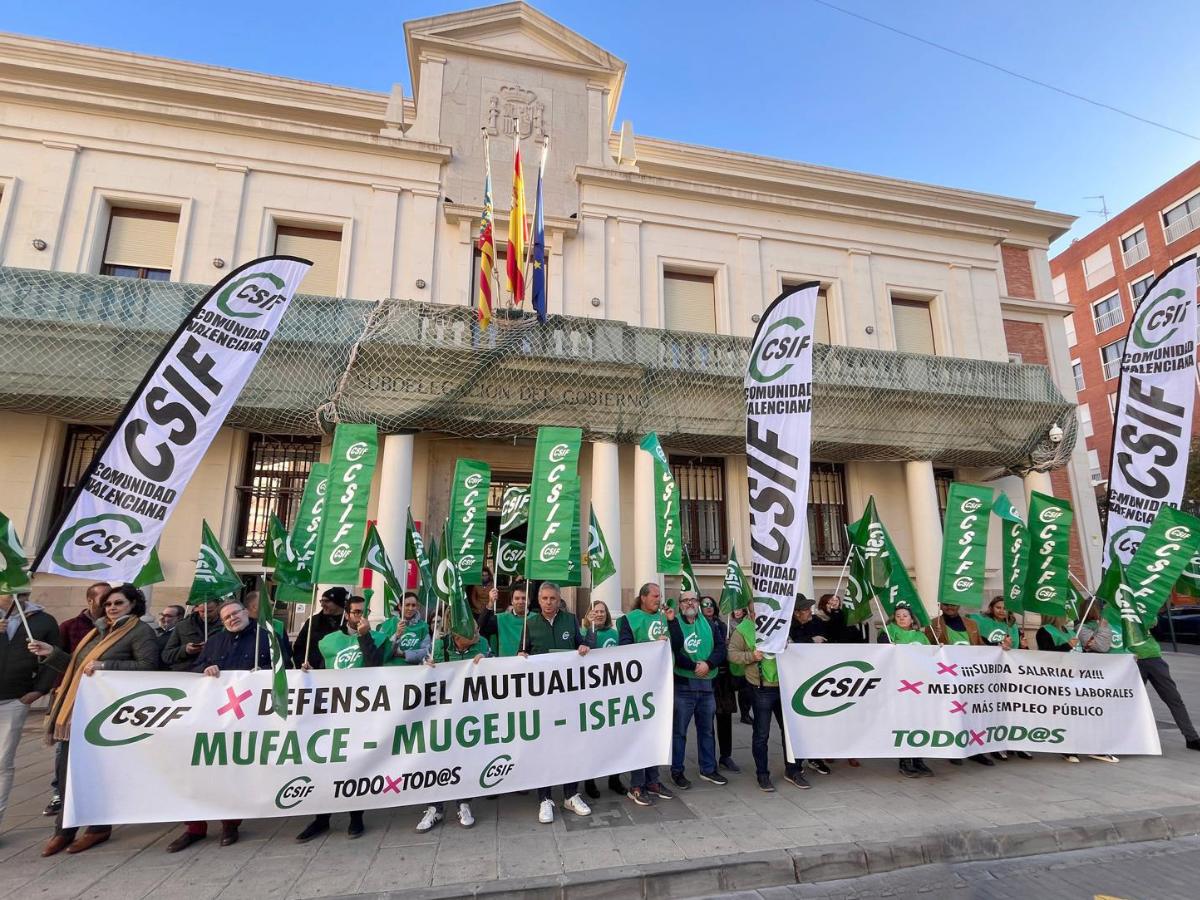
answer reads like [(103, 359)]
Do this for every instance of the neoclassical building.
[(128, 183)]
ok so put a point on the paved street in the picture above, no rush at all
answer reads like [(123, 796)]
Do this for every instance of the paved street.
[(870, 804)]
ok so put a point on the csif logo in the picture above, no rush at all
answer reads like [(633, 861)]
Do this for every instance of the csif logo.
[(1050, 514), (780, 346), (127, 722), (472, 481), (1126, 541), (1178, 533), (559, 452), (511, 556), (356, 451), (251, 295), (550, 551), (209, 566), (348, 657), (339, 554), (293, 792), (496, 771), (819, 695), (692, 643), (89, 544), (1159, 318), (465, 563), (669, 547), (1045, 594), (656, 629), (963, 584), (970, 505)]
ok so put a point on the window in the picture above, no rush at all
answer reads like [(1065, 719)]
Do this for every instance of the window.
[(821, 326), (827, 518), (79, 449), (701, 483), (1107, 312), (689, 302), (322, 246), (1110, 357), (942, 479), (1112, 404), (1084, 412), (1094, 466), (1134, 247), (913, 325), (277, 466), (1059, 286), (1077, 372), (1069, 328), (1137, 290), (1098, 267), (140, 243), (1182, 218)]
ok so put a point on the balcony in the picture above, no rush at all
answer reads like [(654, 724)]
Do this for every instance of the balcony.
[(76, 346), (1107, 320), (1180, 227), (1135, 254), (1112, 368)]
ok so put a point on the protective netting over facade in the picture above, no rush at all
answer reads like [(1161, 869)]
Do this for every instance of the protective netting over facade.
[(76, 346)]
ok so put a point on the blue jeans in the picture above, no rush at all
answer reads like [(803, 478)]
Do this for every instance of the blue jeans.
[(767, 704), (701, 706), (639, 778)]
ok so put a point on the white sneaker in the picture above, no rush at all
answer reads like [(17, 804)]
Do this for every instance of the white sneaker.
[(576, 805), (1071, 757), (431, 818), (465, 819), (546, 812), (1103, 757)]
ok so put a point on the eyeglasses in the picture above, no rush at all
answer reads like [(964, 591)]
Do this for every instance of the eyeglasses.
[(116, 603), (233, 617)]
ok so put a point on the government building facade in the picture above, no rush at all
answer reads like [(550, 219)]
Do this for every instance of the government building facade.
[(129, 183)]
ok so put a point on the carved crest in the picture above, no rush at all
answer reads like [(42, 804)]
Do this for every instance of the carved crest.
[(514, 110)]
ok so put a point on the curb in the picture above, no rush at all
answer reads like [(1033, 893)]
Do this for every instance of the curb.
[(829, 862)]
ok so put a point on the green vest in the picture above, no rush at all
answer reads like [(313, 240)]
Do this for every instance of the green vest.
[(768, 669), (445, 651), (1118, 642), (697, 644), (411, 639), (509, 627), (956, 637), (1147, 649), (1060, 637), (898, 635), (608, 637), (993, 632), (547, 637), (341, 650), (646, 627)]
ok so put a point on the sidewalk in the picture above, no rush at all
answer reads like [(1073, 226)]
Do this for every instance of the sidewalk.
[(710, 838)]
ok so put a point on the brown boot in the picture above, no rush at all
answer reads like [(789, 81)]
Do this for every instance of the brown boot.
[(56, 844), (229, 835), (184, 841), (88, 840)]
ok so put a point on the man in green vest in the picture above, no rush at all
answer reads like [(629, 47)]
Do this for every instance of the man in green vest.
[(554, 630), (352, 646), (698, 655), (506, 630), (408, 638), (647, 621), (1155, 671), (762, 673)]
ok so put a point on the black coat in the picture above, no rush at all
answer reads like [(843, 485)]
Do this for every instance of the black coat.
[(321, 625), (234, 650), (20, 671), (190, 630)]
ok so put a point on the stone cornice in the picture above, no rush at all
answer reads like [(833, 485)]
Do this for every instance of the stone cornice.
[(455, 212), (1035, 307)]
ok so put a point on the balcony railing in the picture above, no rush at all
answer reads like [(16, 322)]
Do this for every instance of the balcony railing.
[(1112, 368), (1135, 254), (1180, 227), (1107, 320)]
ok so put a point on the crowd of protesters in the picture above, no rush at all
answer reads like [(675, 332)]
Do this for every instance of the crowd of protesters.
[(718, 670)]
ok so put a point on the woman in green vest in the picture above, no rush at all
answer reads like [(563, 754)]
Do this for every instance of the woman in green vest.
[(996, 627), (902, 629), (1055, 637), (408, 640), (599, 630)]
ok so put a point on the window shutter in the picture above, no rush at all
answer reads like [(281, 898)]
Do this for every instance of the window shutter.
[(324, 248), (689, 303), (141, 238), (913, 325)]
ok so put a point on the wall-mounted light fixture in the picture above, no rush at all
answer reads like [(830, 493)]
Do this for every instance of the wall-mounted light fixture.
[(39, 244), (596, 301), (218, 263), (421, 284)]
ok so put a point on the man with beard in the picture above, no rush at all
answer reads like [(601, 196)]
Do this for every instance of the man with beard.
[(698, 655), (325, 622)]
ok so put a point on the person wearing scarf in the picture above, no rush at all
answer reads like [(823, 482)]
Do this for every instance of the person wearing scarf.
[(901, 630), (120, 641), (698, 656)]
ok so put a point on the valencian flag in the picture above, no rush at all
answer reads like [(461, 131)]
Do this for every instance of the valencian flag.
[(539, 245), (514, 263), (215, 577), (487, 245), (14, 576), (735, 593)]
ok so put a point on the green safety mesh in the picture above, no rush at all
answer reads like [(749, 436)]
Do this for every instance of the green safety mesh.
[(76, 346)]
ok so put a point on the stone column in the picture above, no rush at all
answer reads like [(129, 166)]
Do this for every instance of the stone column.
[(428, 124), (606, 501), (926, 528), (395, 498), (48, 197), (1040, 482), (644, 555), (224, 229)]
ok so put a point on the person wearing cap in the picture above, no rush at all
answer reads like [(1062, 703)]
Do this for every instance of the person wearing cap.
[(762, 673), (902, 629), (951, 627), (325, 622), (698, 654), (724, 689), (806, 628)]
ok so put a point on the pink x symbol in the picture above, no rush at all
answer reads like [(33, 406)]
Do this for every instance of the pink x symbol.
[(235, 703), (977, 737), (947, 668), (956, 706), (914, 686)]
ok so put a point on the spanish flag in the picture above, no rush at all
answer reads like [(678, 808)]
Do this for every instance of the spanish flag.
[(515, 262), (487, 250)]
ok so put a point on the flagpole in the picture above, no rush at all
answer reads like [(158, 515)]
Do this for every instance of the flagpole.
[(21, 613), (845, 568), (1087, 609), (312, 615), (536, 206), (512, 297)]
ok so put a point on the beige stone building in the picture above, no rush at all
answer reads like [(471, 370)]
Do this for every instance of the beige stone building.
[(127, 182)]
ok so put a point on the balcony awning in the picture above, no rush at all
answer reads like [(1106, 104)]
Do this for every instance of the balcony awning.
[(76, 346)]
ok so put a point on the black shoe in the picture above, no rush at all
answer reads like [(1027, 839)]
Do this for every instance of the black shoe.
[(1024, 754), (982, 759), (356, 828), (819, 766), (908, 770), (1001, 755), (657, 790), (923, 770), (680, 781), (714, 777), (729, 765), (764, 784), (184, 841), (229, 835), (746, 719), (640, 797), (616, 785), (54, 807), (1194, 744), (797, 778), (589, 788), (955, 762), (315, 828)]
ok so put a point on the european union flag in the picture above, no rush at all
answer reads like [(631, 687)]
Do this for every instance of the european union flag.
[(539, 254)]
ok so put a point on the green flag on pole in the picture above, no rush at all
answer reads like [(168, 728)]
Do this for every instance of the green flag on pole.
[(14, 577), (351, 467), (510, 558), (1121, 609), (881, 568), (456, 611), (514, 508), (598, 558), (668, 528), (276, 544), (574, 575), (414, 548), (1165, 551), (735, 592), (152, 571), (858, 590), (687, 577), (468, 517), (279, 684), (215, 577), (964, 545), (1048, 584), (1188, 584), (374, 557), (1014, 552), (294, 570), (549, 545)]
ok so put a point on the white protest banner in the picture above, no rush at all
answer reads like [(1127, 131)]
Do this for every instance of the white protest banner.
[(861, 701), (211, 748), (118, 511), (778, 388)]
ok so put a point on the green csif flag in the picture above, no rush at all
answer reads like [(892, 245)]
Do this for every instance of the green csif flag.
[(964, 545), (351, 467), (294, 570), (549, 546), (687, 577), (215, 577), (858, 590), (668, 528), (1015, 552), (414, 548), (456, 611), (882, 571), (14, 577), (279, 683), (468, 517), (735, 592), (574, 576), (1048, 586), (599, 560), (510, 558), (1165, 551), (514, 508), (151, 573), (1188, 584), (375, 557), (1121, 612)]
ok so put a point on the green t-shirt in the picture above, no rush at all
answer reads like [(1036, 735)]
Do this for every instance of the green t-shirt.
[(993, 632), (768, 669), (898, 635), (697, 644), (647, 627)]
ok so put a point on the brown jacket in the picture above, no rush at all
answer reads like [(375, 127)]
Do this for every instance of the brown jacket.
[(936, 632)]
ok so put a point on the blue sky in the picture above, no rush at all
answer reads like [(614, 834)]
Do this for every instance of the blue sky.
[(793, 79)]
